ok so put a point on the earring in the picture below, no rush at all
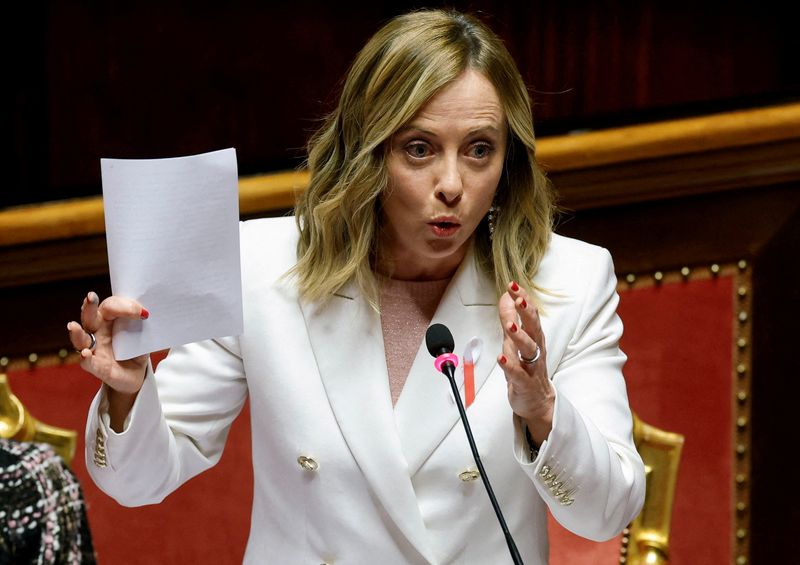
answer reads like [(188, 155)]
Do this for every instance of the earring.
[(491, 218)]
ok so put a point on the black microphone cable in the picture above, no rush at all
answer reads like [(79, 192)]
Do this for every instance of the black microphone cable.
[(440, 345)]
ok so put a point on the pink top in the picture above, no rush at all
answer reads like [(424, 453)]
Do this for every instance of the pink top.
[(407, 308)]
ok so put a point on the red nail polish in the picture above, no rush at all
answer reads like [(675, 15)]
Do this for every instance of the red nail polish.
[(523, 304), (513, 327), (514, 286), (144, 314)]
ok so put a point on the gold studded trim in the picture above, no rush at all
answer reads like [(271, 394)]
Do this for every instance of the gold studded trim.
[(656, 277), (740, 271), (46, 359), (742, 386), (33, 360)]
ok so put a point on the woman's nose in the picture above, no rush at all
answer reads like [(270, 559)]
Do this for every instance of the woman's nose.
[(449, 186)]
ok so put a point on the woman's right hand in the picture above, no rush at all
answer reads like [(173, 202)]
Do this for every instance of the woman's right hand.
[(124, 377)]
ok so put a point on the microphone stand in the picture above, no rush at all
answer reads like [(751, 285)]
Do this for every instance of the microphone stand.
[(449, 370)]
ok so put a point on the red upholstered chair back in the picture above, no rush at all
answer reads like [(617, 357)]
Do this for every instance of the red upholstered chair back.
[(679, 336)]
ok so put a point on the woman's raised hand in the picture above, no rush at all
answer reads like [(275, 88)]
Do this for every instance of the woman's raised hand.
[(92, 338), (524, 362)]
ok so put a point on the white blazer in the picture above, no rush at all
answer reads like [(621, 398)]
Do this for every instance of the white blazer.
[(343, 477)]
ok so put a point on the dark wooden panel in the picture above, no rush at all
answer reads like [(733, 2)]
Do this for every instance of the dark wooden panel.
[(776, 388), (155, 79), (687, 231), (702, 172), (65, 259), (37, 315)]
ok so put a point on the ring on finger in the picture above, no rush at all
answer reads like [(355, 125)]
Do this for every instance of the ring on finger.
[(530, 360), (94, 341)]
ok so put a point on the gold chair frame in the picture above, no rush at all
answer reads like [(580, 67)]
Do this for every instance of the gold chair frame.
[(646, 540), (17, 423)]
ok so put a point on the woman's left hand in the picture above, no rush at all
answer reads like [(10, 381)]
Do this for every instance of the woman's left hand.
[(524, 362)]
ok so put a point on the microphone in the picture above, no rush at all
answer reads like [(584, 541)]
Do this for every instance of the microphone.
[(440, 344)]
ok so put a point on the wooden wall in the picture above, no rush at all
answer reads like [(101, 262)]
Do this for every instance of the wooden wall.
[(144, 79)]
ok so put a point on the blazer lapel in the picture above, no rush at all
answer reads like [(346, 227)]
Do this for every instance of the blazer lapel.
[(347, 342), (425, 413)]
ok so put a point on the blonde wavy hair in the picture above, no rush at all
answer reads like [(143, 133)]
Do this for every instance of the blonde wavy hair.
[(399, 69)]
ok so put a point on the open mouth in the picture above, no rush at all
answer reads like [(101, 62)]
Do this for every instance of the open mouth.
[(445, 225), (444, 228)]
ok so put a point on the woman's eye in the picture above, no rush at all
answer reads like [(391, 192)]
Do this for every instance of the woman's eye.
[(481, 150), (417, 150)]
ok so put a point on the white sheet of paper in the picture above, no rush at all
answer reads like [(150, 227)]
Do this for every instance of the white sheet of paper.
[(172, 228)]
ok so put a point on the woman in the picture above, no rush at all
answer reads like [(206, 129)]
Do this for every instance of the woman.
[(425, 205)]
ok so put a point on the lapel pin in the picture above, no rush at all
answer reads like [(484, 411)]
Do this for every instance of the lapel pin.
[(471, 354)]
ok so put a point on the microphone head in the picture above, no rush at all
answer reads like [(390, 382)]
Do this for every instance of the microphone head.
[(439, 340)]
